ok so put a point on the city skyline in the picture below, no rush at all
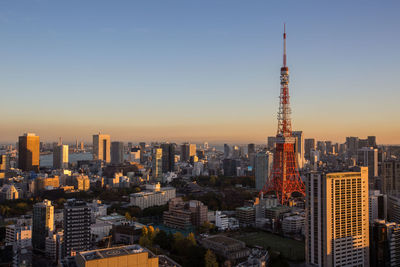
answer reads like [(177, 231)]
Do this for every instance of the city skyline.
[(197, 72)]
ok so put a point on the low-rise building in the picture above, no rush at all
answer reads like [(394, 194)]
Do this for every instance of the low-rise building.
[(19, 235), (229, 248), (221, 221), (125, 256), (154, 195), (246, 215), (293, 224)]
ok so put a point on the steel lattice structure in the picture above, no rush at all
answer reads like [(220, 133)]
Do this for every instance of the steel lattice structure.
[(284, 178)]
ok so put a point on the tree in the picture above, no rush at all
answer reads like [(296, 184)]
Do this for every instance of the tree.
[(128, 217), (210, 260), (191, 239)]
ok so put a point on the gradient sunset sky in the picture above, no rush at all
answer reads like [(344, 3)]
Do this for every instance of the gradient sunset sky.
[(198, 70)]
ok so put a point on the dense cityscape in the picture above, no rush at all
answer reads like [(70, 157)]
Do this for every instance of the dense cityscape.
[(291, 200)]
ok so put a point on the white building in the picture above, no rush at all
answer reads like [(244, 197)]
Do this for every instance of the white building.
[(221, 221), (293, 224), (100, 230), (97, 209), (154, 195), (377, 206), (263, 166), (198, 168)]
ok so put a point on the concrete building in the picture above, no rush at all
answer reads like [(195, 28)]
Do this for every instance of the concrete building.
[(4, 162), (81, 182), (187, 151), (124, 256), (293, 224), (227, 151), (43, 183), (309, 144), (168, 157), (54, 246), (77, 216), (385, 244), (337, 223), (154, 195), (229, 248), (101, 147), (18, 235), (299, 147), (393, 209), (368, 157), (263, 167), (221, 221), (9, 192), (183, 215), (117, 152), (60, 156), (246, 216), (29, 152), (42, 223), (352, 146), (377, 206), (391, 176), (156, 170)]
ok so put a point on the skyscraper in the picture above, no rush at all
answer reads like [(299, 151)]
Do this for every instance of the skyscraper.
[(77, 217), (29, 152), (385, 244), (157, 164), (142, 146), (309, 144), (101, 147), (117, 152), (168, 157), (187, 151), (42, 223), (227, 151), (337, 219), (352, 146), (368, 157), (263, 166), (60, 156), (391, 176), (299, 147)]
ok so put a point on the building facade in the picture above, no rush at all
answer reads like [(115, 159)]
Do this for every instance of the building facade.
[(101, 147), (29, 152), (337, 219), (42, 223)]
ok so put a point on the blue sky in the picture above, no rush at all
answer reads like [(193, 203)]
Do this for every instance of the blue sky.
[(197, 70)]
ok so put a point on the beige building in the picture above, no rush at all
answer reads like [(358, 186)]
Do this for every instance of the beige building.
[(125, 256), (101, 147), (43, 182), (81, 182), (337, 219), (29, 152)]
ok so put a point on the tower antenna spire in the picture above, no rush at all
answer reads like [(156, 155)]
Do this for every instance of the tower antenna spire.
[(284, 44)]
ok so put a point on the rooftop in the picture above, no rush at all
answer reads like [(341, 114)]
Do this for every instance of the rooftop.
[(224, 240), (112, 252)]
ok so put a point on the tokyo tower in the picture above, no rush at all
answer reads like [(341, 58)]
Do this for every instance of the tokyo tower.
[(284, 178)]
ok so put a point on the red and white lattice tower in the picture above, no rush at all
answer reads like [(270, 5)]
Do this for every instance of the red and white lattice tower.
[(284, 178)]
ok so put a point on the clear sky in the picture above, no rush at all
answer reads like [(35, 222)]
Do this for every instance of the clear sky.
[(197, 70)]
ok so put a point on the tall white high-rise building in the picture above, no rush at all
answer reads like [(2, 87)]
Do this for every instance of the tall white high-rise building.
[(157, 165), (101, 147), (263, 166), (337, 219), (60, 156), (299, 147)]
